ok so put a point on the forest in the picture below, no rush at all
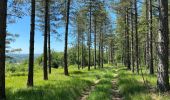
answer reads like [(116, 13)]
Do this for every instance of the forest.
[(84, 49)]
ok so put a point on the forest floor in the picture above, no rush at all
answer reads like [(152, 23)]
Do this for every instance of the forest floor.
[(108, 83)]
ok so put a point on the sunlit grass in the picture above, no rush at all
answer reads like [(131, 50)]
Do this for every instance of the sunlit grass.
[(132, 86), (58, 87), (103, 90)]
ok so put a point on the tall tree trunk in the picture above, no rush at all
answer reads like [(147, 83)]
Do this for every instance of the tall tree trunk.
[(99, 59), (82, 52), (49, 44), (89, 41), (102, 49), (66, 39), (45, 40), (78, 49), (151, 71), (163, 42), (127, 41), (31, 51), (132, 38), (136, 36), (147, 36), (95, 34), (3, 18)]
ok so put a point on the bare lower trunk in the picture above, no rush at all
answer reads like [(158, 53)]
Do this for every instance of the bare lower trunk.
[(95, 23), (132, 39), (45, 41), (49, 46), (31, 51), (82, 53), (66, 39), (163, 42), (136, 36), (127, 41), (89, 41), (78, 49), (150, 39), (3, 18)]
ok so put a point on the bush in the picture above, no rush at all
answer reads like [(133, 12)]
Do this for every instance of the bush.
[(54, 64)]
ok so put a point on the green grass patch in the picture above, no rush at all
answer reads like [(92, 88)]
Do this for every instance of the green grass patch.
[(103, 90), (131, 85), (58, 87)]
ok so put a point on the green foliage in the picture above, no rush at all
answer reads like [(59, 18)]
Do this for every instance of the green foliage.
[(18, 67), (56, 59)]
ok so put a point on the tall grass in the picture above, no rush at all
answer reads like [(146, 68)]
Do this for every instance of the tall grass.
[(58, 87), (132, 86)]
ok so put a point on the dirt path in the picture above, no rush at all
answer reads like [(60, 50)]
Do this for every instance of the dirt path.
[(89, 90), (115, 92)]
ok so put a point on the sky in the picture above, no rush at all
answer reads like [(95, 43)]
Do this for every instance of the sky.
[(22, 27)]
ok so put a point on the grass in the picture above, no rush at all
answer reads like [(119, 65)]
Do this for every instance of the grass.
[(103, 90), (132, 86), (58, 87)]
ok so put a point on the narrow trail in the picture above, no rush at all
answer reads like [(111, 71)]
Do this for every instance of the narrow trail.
[(87, 92), (115, 92)]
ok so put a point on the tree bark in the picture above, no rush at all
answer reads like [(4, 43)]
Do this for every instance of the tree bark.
[(163, 42), (95, 34), (147, 36), (136, 36), (151, 69), (89, 41), (127, 41), (82, 52), (45, 41), (30, 81), (66, 40), (49, 44), (102, 49), (132, 38), (99, 59), (78, 49), (3, 19)]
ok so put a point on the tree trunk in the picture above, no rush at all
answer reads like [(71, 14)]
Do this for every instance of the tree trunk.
[(3, 18), (31, 54), (163, 42), (66, 39), (82, 52), (132, 39), (136, 36), (102, 49), (151, 71), (147, 37), (95, 34), (49, 44), (127, 41), (99, 59), (78, 49), (89, 41), (45, 40)]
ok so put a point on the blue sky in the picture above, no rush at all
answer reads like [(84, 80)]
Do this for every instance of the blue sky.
[(22, 27)]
